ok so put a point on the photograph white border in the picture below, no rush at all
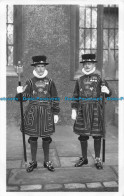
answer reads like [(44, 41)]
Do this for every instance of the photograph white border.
[(3, 4)]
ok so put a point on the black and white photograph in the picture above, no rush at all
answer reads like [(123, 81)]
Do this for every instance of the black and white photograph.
[(62, 97)]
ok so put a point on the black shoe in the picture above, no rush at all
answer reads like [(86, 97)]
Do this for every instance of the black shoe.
[(49, 166), (32, 165), (98, 163), (81, 162)]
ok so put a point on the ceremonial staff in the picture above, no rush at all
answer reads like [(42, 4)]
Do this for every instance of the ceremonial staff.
[(19, 71), (103, 125)]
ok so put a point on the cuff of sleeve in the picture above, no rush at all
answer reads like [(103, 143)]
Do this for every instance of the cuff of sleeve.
[(74, 108)]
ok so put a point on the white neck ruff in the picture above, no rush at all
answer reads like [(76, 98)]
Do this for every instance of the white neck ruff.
[(88, 73), (38, 76)]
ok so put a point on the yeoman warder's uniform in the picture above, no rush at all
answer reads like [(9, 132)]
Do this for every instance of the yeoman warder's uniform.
[(89, 120), (39, 115)]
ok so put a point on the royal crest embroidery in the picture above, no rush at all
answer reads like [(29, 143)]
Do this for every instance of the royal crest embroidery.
[(40, 90), (40, 83)]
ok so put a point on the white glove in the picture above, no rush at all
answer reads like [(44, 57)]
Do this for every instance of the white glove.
[(20, 89), (74, 114), (104, 89), (56, 118)]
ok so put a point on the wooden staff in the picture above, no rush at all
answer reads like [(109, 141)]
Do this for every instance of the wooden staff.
[(104, 130), (19, 71)]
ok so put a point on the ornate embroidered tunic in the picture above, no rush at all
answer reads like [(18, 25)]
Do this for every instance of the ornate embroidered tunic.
[(38, 117), (89, 112)]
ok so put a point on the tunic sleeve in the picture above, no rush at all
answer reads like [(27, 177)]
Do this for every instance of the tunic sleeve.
[(75, 102), (55, 99)]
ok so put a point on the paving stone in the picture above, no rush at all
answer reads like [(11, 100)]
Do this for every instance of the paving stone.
[(30, 187), (53, 186), (115, 168), (94, 185), (70, 161), (14, 153), (54, 158), (111, 159), (13, 164), (68, 149), (61, 176), (112, 146), (74, 186), (110, 184), (12, 188)]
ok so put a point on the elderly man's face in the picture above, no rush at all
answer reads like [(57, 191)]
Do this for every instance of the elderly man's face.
[(88, 66), (40, 69)]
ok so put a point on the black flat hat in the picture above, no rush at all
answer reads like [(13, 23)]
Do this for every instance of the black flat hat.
[(39, 60), (88, 58)]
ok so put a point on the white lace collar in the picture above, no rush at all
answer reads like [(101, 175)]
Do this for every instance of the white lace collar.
[(88, 73), (37, 76)]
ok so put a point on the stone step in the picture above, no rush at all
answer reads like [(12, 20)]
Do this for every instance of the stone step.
[(61, 176)]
